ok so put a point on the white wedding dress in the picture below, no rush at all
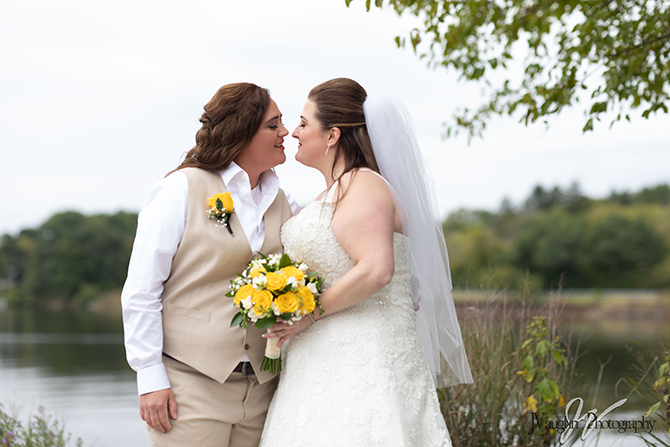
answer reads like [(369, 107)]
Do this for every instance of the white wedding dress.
[(356, 378)]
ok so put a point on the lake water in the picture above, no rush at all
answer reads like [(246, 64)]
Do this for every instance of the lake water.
[(74, 365)]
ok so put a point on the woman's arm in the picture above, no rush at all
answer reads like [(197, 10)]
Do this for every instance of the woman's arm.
[(160, 229), (364, 222)]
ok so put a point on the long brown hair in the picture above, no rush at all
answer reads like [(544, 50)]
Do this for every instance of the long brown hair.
[(339, 103), (231, 119)]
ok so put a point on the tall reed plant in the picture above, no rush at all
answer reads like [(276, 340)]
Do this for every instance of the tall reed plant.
[(521, 367), (650, 380)]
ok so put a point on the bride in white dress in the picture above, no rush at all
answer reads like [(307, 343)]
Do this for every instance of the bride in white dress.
[(364, 372)]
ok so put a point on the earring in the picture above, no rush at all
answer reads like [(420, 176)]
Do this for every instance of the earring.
[(327, 148)]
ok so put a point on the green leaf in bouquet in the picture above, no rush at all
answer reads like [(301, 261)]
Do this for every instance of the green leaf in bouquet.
[(287, 288), (285, 261), (230, 294), (286, 316), (266, 322), (238, 319), (310, 275), (219, 205)]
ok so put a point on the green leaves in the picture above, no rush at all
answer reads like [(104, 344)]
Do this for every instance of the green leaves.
[(620, 51), (548, 390), (237, 320), (266, 322), (652, 410), (285, 261), (536, 364)]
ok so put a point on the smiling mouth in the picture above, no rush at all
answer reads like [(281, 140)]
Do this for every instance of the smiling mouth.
[(279, 145)]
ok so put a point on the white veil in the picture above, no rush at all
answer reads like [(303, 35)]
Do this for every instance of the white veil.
[(401, 163)]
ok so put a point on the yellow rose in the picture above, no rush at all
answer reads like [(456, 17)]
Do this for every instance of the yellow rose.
[(225, 198), (262, 301), (255, 273), (287, 303), (243, 292), (295, 272), (275, 281), (306, 298)]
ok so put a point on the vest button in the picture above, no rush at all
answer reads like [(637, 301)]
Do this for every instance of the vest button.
[(246, 347)]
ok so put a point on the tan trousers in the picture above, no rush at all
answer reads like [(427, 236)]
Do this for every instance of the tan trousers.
[(211, 414)]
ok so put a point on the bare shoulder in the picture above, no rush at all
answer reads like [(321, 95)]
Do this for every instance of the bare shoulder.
[(363, 185)]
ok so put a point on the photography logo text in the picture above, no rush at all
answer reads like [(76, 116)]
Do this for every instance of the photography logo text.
[(588, 421)]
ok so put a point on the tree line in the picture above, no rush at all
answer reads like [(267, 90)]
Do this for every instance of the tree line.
[(555, 236), (70, 257), (559, 237)]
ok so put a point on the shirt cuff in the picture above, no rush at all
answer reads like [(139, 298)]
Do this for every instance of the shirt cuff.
[(151, 379)]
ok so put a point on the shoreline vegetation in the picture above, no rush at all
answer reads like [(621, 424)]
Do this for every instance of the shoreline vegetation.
[(41, 429), (526, 354), (556, 238)]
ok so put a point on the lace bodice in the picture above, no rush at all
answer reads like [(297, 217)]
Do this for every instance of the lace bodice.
[(358, 377), (309, 236)]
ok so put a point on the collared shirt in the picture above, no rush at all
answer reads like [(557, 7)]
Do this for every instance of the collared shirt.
[(160, 228)]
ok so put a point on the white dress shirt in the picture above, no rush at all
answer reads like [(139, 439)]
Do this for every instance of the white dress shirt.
[(160, 228)]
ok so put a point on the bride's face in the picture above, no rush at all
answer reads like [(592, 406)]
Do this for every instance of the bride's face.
[(312, 141)]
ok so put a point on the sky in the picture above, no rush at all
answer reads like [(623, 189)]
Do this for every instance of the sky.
[(99, 100)]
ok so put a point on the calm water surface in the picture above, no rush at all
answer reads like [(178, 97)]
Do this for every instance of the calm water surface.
[(74, 365)]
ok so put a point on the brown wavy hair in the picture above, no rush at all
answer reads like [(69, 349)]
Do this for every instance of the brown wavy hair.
[(231, 119)]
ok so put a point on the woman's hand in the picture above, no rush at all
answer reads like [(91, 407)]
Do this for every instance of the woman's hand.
[(284, 331)]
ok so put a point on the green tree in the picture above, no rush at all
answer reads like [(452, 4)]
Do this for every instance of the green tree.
[(548, 244), (618, 51), (75, 257), (15, 254), (618, 251), (658, 194)]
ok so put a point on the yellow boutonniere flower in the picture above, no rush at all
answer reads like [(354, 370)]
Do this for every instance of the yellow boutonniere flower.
[(220, 208), (226, 202)]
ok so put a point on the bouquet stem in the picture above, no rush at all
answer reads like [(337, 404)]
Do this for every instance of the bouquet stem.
[(272, 360), (271, 365)]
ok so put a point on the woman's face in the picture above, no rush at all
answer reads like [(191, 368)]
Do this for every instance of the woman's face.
[(266, 149), (312, 140)]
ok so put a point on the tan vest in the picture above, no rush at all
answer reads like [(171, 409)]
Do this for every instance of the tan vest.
[(196, 312)]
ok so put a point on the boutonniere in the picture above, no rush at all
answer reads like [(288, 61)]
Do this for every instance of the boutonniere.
[(220, 209)]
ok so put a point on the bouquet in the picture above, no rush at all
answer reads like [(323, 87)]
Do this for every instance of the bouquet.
[(274, 288)]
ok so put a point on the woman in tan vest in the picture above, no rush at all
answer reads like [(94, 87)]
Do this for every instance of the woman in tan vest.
[(199, 380)]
